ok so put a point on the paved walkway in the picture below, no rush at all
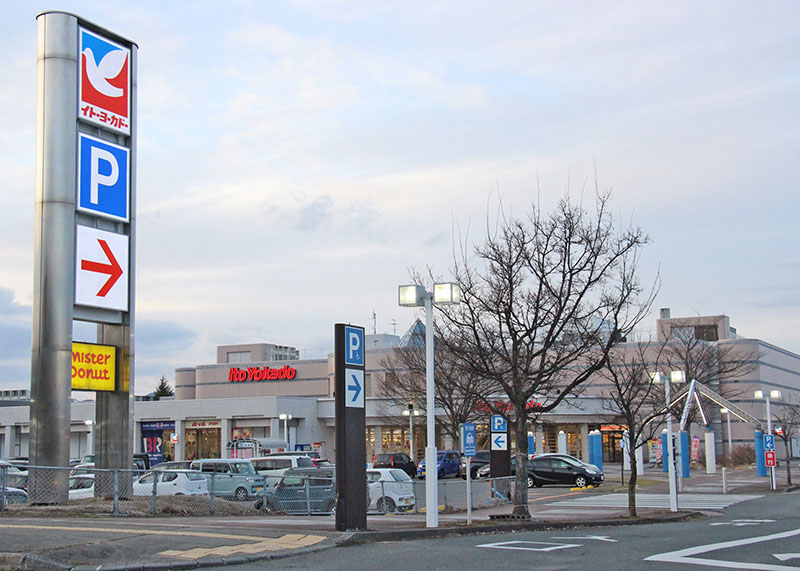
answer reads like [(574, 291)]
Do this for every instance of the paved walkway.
[(182, 542)]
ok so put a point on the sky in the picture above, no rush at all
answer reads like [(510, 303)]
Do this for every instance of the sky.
[(298, 160)]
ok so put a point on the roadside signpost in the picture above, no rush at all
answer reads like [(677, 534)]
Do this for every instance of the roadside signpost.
[(470, 441), (84, 247), (351, 454), (499, 455)]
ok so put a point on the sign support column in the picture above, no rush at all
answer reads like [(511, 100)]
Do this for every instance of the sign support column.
[(351, 452)]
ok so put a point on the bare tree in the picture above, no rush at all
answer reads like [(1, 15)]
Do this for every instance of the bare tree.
[(696, 350), (456, 391), (788, 419), (631, 394), (544, 300)]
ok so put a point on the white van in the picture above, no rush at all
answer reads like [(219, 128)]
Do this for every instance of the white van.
[(273, 466)]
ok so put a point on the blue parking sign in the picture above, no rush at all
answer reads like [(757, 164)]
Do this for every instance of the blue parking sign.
[(499, 423), (470, 439), (354, 345), (769, 442), (103, 178)]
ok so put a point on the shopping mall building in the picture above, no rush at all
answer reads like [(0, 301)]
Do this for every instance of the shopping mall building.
[(264, 391)]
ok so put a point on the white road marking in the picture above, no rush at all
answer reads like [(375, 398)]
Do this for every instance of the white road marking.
[(521, 545), (684, 556), (595, 537), (744, 522)]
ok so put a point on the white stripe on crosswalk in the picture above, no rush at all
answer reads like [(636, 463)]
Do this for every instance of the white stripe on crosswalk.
[(685, 501)]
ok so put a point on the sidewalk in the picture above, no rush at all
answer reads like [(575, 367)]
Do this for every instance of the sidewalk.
[(191, 542)]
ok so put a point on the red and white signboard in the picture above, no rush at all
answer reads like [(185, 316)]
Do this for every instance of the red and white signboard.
[(105, 82), (101, 272), (769, 457)]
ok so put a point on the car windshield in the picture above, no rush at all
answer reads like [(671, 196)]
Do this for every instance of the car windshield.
[(243, 468), (400, 476), (382, 458), (194, 476)]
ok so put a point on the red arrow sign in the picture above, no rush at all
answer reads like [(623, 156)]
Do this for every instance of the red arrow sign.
[(113, 269)]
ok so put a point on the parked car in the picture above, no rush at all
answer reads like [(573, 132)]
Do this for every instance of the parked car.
[(17, 480), (229, 478), (302, 491), (10, 467), (485, 471), (390, 489), (14, 496), (480, 459), (448, 464), (81, 486), (566, 456), (547, 469), (395, 460), (273, 467), (316, 459), (173, 465), (171, 483)]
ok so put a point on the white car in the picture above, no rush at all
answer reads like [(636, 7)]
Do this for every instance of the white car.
[(171, 483), (81, 486), (390, 489)]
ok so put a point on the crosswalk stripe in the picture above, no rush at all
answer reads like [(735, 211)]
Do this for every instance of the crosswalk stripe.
[(686, 501)]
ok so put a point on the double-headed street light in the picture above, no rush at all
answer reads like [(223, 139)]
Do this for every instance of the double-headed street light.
[(674, 377), (416, 296), (770, 395)]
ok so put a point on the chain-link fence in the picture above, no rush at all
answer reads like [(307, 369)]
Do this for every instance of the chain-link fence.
[(61, 491)]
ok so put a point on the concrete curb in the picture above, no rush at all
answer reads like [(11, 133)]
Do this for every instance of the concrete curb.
[(361, 537)]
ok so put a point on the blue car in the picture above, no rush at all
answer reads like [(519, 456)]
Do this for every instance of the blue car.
[(448, 464)]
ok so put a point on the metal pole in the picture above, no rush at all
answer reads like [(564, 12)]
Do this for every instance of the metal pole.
[(411, 431), (730, 442), (431, 472), (469, 490), (772, 483), (673, 492)]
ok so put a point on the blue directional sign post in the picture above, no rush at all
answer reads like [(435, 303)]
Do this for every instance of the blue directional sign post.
[(351, 454), (769, 442), (469, 439)]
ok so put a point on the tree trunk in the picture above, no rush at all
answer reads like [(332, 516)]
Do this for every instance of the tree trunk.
[(631, 450), (521, 479), (787, 444)]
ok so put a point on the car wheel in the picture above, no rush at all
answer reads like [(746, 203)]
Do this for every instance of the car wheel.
[(332, 507), (531, 482), (580, 481), (240, 494), (386, 505), (441, 474)]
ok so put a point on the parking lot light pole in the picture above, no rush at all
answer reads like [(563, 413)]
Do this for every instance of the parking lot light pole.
[(727, 413), (411, 412), (766, 396), (674, 377), (416, 296), (286, 418)]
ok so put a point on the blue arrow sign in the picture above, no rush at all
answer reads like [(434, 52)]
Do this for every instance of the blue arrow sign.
[(354, 384), (500, 441), (769, 442)]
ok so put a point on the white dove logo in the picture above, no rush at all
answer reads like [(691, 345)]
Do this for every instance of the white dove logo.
[(107, 68)]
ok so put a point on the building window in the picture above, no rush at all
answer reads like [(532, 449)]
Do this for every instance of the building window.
[(239, 357), (367, 384), (706, 332)]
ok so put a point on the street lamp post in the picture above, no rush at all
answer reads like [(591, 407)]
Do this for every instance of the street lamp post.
[(286, 418), (416, 296), (766, 396), (674, 377), (411, 412), (727, 413)]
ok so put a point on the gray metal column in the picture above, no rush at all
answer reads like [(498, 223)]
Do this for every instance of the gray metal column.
[(53, 291)]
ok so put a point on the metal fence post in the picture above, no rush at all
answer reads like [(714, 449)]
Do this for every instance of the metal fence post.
[(308, 495), (155, 491), (264, 495), (3, 486), (116, 491), (211, 503)]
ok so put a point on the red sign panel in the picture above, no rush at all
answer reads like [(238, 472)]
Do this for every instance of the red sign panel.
[(769, 456), (105, 82), (261, 374)]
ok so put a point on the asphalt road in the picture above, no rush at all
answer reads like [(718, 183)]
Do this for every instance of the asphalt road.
[(762, 533)]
